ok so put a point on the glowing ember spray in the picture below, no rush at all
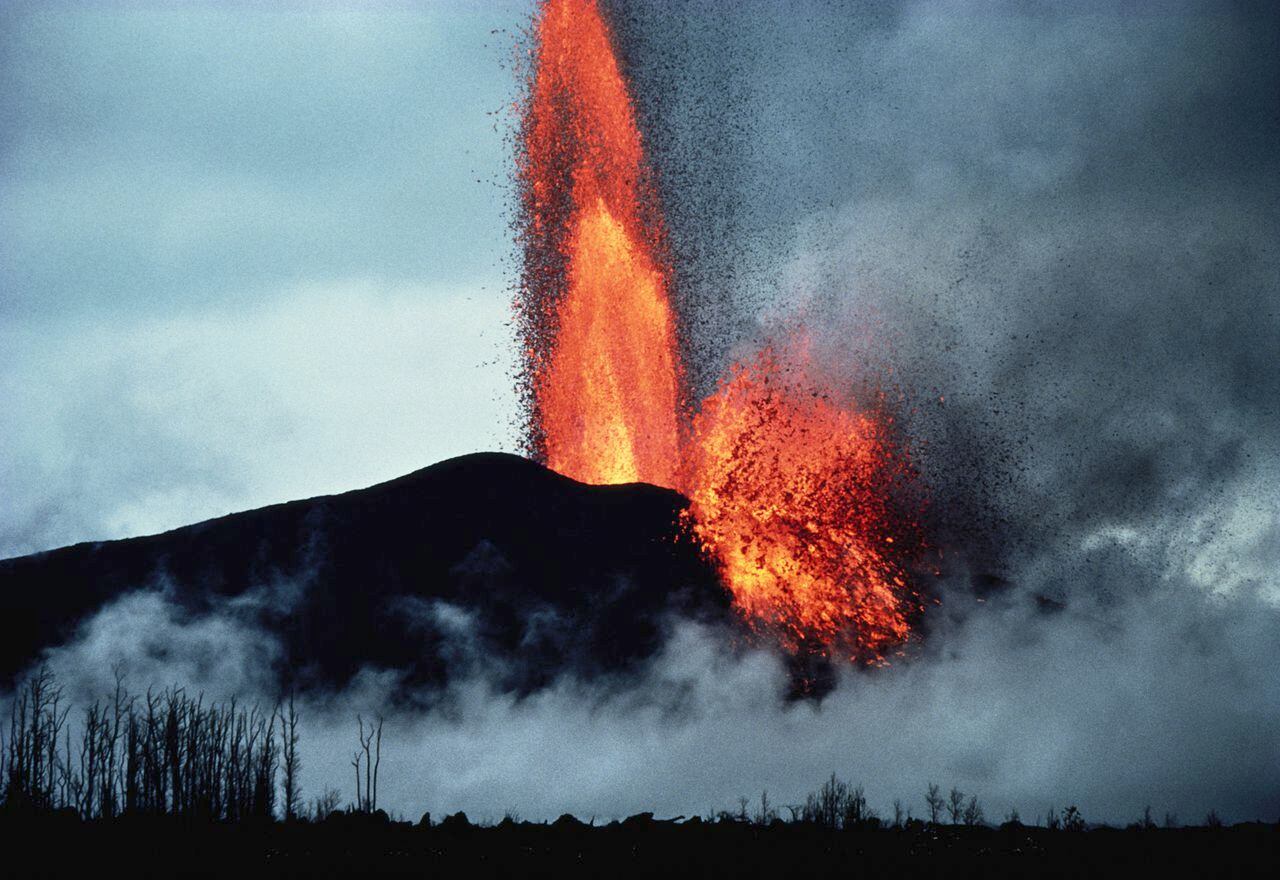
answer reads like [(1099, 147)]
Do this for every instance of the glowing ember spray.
[(792, 494), (789, 490)]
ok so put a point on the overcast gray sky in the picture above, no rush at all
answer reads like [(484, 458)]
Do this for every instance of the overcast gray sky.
[(246, 254)]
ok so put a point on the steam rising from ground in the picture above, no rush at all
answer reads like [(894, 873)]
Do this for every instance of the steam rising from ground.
[(1167, 699)]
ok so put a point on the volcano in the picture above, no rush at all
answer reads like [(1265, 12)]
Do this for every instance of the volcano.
[(486, 558)]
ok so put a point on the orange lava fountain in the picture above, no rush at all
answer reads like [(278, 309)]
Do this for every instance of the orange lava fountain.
[(605, 378), (789, 491)]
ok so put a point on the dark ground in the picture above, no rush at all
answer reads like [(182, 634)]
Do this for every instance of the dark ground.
[(557, 577), (636, 847)]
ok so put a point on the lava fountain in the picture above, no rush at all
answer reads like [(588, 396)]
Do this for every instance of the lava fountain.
[(601, 351), (798, 498), (791, 490)]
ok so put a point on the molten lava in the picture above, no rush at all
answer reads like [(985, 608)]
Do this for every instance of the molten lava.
[(602, 354), (792, 494), (790, 491)]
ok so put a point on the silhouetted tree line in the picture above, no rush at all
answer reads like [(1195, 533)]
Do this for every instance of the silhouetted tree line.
[(167, 753), (162, 753), (840, 805)]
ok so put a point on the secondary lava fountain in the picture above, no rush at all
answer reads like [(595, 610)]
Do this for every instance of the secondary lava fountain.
[(797, 497), (790, 489)]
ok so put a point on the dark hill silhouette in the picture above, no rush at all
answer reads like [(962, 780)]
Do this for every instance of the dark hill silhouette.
[(540, 573)]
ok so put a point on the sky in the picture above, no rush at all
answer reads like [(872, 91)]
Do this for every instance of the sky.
[(247, 254), (250, 256)]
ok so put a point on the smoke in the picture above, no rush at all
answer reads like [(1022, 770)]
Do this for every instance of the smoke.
[(1112, 707), (1051, 229), (1009, 710), (150, 641)]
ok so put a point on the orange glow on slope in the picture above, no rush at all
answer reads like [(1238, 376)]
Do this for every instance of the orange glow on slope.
[(605, 380), (790, 493)]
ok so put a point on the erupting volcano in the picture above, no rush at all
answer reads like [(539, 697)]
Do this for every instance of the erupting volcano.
[(790, 485)]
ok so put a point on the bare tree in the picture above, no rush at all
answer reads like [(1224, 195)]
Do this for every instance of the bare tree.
[(291, 761), (90, 760), (325, 804), (264, 766), (376, 764), (855, 811), (830, 802), (55, 770), (121, 704), (371, 751), (899, 816), (359, 802), (32, 764), (933, 799), (1072, 820), (973, 812), (955, 805), (173, 756), (766, 812)]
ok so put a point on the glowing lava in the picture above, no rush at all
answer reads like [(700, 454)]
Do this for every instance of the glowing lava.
[(790, 491), (602, 353), (792, 494)]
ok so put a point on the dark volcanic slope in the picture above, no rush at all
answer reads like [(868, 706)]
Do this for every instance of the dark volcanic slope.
[(553, 575)]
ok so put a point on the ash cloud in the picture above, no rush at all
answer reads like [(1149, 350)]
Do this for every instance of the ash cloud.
[(1053, 230)]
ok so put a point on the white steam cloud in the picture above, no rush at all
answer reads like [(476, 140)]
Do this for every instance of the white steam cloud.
[(1166, 698)]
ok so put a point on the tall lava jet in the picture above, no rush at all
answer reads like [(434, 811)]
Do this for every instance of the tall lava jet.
[(791, 485), (601, 353)]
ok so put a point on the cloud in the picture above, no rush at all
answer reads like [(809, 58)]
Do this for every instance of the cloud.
[(161, 158), (247, 255), (134, 425)]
